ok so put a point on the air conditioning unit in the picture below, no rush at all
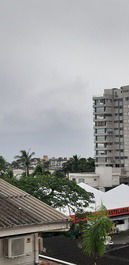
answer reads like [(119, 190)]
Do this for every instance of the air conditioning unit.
[(16, 247)]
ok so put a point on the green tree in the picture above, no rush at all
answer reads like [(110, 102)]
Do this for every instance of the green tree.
[(72, 165), (77, 164), (59, 173), (90, 165), (40, 169), (96, 231), (57, 192), (9, 173), (25, 159), (2, 164), (5, 169)]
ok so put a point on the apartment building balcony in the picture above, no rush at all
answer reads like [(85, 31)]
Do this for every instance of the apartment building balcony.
[(108, 111), (99, 126), (104, 163), (106, 119), (109, 125), (99, 118), (104, 148), (105, 156)]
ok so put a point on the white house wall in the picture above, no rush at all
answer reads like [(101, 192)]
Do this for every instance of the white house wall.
[(28, 259), (87, 178), (124, 226)]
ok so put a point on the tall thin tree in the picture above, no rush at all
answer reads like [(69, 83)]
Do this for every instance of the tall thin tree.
[(26, 159)]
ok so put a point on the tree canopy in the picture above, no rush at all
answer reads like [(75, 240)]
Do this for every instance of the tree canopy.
[(41, 169), (5, 170), (2, 163), (57, 192), (76, 164)]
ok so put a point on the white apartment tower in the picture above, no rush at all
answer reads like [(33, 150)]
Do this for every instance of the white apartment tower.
[(111, 129)]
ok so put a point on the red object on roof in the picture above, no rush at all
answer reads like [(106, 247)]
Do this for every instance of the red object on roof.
[(112, 213)]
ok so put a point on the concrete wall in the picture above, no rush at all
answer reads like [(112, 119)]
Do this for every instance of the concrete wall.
[(124, 226), (106, 176), (102, 177), (91, 179)]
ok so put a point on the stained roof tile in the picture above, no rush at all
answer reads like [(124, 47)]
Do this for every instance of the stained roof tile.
[(18, 208)]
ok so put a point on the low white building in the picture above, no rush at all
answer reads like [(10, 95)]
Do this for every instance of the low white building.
[(18, 172), (116, 202), (102, 178), (91, 178)]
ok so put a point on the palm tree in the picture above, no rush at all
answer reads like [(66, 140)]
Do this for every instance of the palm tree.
[(26, 159), (95, 235), (72, 165)]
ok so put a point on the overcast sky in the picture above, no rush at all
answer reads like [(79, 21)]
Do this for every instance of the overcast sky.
[(54, 56)]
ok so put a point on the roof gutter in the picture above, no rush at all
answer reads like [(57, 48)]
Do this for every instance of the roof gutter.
[(56, 227)]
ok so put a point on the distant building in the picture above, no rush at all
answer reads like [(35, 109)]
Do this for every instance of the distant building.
[(102, 178), (17, 173), (111, 129), (45, 158), (57, 163)]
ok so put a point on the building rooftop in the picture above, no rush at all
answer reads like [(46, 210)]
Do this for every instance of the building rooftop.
[(20, 209), (117, 197)]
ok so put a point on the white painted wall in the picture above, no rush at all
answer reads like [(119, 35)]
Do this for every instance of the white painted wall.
[(106, 176), (91, 179), (28, 259), (125, 226), (103, 177)]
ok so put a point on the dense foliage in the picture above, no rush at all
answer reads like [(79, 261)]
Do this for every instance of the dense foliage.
[(96, 231), (41, 169), (57, 192), (76, 164), (5, 170)]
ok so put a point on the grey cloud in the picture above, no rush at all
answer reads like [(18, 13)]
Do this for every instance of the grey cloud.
[(54, 56)]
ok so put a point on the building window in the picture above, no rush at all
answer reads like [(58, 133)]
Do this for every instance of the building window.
[(99, 117), (99, 101), (100, 152), (99, 109), (100, 159), (74, 179), (126, 99), (100, 145), (100, 130), (120, 121), (81, 180), (100, 138), (108, 100), (100, 123)]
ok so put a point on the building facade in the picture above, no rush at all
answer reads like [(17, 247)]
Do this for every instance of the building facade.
[(111, 129), (102, 179), (57, 163)]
